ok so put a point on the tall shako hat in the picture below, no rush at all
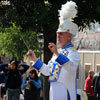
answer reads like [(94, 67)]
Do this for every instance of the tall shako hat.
[(66, 14)]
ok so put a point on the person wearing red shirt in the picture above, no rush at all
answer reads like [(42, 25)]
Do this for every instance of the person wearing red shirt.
[(87, 86)]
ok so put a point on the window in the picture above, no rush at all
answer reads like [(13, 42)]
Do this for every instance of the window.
[(87, 68), (98, 67)]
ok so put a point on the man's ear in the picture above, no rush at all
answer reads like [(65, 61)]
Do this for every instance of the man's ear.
[(70, 36)]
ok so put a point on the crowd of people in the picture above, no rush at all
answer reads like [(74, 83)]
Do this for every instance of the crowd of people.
[(13, 83)]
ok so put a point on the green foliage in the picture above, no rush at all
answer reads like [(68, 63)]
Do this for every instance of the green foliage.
[(33, 16), (39, 13), (13, 41), (88, 11)]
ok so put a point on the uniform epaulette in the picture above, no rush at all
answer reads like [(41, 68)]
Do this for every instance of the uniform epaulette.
[(73, 48), (59, 49)]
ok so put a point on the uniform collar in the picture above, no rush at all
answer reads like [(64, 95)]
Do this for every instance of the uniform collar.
[(67, 45)]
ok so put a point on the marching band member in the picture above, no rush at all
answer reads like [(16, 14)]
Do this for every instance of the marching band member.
[(63, 65)]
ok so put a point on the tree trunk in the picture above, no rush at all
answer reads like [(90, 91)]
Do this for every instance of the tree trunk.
[(49, 36)]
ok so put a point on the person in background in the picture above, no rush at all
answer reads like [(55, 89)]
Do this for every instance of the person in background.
[(41, 89), (88, 85), (32, 85), (26, 74), (2, 77), (96, 85), (13, 73), (2, 84), (63, 65)]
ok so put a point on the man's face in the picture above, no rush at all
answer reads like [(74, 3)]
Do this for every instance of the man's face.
[(31, 75), (63, 38), (13, 66), (92, 73)]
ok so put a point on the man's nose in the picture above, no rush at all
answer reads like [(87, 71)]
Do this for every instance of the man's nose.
[(58, 36)]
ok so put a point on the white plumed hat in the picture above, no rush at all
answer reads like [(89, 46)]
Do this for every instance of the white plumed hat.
[(66, 14)]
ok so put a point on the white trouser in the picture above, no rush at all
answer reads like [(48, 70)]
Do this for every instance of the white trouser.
[(58, 91)]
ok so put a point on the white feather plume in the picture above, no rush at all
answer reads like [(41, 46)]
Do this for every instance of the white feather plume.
[(68, 11)]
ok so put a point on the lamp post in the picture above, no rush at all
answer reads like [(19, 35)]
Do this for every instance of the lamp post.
[(40, 41)]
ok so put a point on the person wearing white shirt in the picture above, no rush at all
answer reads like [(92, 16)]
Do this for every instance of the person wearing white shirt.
[(63, 65)]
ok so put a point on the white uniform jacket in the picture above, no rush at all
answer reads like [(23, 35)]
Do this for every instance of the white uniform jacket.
[(62, 73)]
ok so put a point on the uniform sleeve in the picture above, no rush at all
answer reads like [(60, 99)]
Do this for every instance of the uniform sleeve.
[(23, 84), (42, 67), (36, 83), (4, 68), (25, 68), (69, 62), (88, 86)]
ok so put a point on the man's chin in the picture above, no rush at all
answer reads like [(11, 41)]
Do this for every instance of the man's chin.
[(58, 42)]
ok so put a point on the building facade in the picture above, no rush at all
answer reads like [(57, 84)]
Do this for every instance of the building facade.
[(90, 60)]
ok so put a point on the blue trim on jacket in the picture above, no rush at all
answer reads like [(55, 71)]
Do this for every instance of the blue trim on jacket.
[(68, 95), (56, 77), (67, 45), (38, 64), (61, 59), (54, 64)]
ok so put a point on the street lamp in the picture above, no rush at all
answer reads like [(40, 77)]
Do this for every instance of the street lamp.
[(40, 41)]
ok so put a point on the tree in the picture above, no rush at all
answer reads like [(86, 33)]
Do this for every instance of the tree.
[(14, 42), (42, 16), (88, 11)]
